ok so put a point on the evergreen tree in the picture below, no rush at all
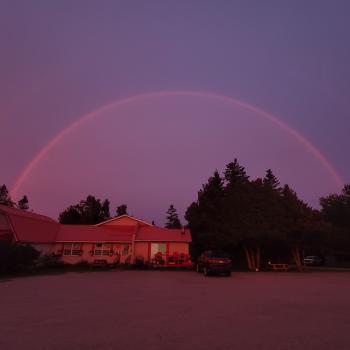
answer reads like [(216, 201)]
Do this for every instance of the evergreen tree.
[(205, 216), (173, 220), (271, 180), (23, 203), (5, 198), (336, 211), (249, 216), (235, 173), (122, 210), (336, 208), (213, 189)]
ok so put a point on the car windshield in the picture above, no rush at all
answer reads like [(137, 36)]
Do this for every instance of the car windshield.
[(219, 254)]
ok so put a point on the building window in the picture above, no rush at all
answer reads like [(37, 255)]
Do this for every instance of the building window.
[(125, 249), (102, 249), (72, 249), (158, 248)]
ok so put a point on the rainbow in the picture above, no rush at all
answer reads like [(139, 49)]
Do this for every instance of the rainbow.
[(115, 104)]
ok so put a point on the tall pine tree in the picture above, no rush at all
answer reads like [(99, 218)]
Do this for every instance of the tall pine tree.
[(23, 203), (5, 198), (271, 180), (205, 216), (172, 218), (235, 173)]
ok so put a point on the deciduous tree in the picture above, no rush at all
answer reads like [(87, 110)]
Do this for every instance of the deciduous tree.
[(122, 210), (87, 212), (336, 211)]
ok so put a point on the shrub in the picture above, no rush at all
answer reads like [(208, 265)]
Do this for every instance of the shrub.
[(81, 265), (139, 262), (50, 261), (16, 257)]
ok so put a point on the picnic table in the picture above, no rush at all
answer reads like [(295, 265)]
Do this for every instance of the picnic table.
[(278, 266)]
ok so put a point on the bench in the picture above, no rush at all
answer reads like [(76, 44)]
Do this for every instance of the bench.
[(278, 267)]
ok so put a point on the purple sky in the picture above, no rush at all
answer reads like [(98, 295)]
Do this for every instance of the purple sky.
[(62, 60)]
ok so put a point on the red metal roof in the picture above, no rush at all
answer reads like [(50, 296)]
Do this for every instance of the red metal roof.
[(155, 233), (87, 233), (31, 230), (35, 228), (6, 236), (25, 213), (31, 227), (131, 218)]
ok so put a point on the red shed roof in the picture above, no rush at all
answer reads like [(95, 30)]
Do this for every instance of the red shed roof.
[(31, 230), (31, 227), (25, 213)]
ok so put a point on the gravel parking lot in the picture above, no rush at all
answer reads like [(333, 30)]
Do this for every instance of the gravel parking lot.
[(176, 310)]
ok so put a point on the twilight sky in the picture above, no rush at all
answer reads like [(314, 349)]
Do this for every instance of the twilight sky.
[(62, 60)]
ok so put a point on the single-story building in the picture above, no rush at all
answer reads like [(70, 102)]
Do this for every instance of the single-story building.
[(123, 239)]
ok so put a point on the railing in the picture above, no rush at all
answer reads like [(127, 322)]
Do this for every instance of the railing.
[(175, 260)]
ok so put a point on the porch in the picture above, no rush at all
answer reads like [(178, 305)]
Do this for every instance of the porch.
[(162, 254)]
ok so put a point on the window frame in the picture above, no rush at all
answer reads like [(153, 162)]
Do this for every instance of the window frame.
[(104, 249), (70, 249), (126, 248)]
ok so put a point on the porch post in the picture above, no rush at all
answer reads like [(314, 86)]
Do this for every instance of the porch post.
[(133, 248), (167, 253), (149, 252)]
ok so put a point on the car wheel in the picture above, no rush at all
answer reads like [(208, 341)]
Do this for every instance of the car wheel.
[(228, 274), (206, 272)]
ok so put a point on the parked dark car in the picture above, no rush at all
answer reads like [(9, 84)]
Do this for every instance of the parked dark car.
[(214, 261), (313, 260)]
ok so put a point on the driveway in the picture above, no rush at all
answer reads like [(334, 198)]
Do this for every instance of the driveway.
[(169, 310)]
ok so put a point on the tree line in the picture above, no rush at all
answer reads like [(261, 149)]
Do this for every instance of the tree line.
[(253, 219), (89, 211), (5, 199), (261, 220)]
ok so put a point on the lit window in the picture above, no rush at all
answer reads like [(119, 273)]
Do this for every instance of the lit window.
[(72, 249), (102, 249), (158, 248)]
